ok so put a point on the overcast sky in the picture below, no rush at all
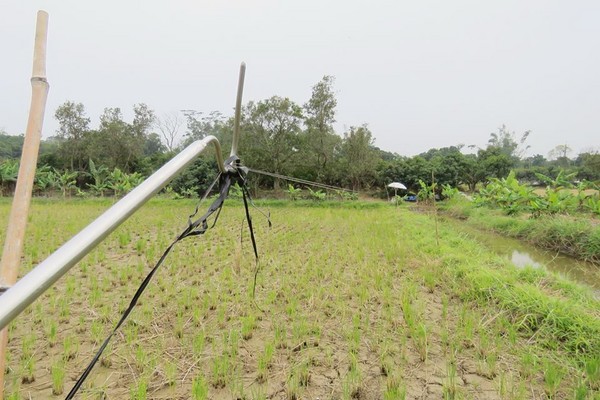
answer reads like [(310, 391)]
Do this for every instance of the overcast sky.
[(421, 74)]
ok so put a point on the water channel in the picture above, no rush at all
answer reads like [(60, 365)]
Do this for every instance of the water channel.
[(521, 254)]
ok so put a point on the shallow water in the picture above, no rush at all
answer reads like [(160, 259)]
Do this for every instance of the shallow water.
[(521, 254)]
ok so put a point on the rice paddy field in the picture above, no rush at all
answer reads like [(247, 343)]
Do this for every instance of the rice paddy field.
[(357, 300)]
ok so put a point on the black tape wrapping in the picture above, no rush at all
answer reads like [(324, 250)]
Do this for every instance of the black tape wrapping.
[(194, 228)]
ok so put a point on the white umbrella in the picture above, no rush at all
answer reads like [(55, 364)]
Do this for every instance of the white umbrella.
[(397, 185)]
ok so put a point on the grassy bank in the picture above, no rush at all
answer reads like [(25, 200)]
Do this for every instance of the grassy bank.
[(350, 303), (577, 236)]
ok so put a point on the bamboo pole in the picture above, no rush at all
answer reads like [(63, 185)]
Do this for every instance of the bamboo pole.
[(15, 233), (437, 233)]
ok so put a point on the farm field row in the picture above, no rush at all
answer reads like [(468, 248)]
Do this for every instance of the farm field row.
[(355, 301)]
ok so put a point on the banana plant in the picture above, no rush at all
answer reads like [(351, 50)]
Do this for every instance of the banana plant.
[(66, 181), (121, 182), (426, 192), (100, 176), (317, 195), (449, 192), (562, 180), (9, 169), (293, 192), (592, 203), (581, 192), (46, 179)]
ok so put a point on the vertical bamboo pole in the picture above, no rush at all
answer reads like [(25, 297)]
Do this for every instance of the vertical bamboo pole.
[(437, 234), (15, 233)]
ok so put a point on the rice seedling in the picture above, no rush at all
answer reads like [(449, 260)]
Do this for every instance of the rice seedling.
[(264, 362), (444, 307), (124, 238), (528, 365), (52, 333), (71, 286), (467, 324), (70, 348), (420, 337), (58, 378), (303, 373), (171, 373), (140, 246), (199, 342), (408, 311), (248, 325), (351, 385), (221, 370), (450, 388), (141, 359), (140, 390), (553, 376), (395, 389), (429, 279), (199, 388), (179, 325), (280, 336), (64, 309), (28, 370), (592, 372), (292, 388), (258, 393)]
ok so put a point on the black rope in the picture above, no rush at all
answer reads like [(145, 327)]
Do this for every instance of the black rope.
[(298, 180), (235, 174)]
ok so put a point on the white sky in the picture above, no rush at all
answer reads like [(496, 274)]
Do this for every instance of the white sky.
[(422, 74)]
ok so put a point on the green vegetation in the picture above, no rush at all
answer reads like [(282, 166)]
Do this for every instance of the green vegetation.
[(559, 198), (560, 219), (278, 136), (353, 299)]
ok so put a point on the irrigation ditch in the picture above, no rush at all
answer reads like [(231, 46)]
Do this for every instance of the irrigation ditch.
[(524, 254)]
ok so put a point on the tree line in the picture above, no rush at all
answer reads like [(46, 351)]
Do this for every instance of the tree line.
[(278, 136)]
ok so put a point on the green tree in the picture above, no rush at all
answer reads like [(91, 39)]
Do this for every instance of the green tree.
[(359, 158), (560, 154), (416, 169), (508, 143), (10, 146), (72, 130), (200, 126), (118, 144), (319, 141), (450, 169), (589, 166), (493, 162), (270, 140), (536, 160), (196, 178)]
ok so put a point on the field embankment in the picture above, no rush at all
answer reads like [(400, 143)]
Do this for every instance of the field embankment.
[(352, 302)]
